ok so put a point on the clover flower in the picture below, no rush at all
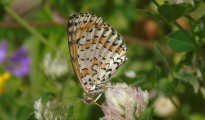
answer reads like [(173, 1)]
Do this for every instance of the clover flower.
[(130, 74), (56, 67), (53, 110), (19, 63), (124, 102), (38, 109)]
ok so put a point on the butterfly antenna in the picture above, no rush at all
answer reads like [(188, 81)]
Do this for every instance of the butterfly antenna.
[(72, 98), (80, 100), (61, 98)]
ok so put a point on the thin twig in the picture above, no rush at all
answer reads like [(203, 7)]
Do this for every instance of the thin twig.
[(161, 54), (147, 44)]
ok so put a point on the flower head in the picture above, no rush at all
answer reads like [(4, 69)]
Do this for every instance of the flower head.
[(130, 74), (124, 102), (19, 63), (38, 109), (53, 110), (56, 67), (3, 51)]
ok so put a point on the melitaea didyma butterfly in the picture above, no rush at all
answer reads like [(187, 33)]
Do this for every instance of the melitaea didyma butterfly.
[(96, 52)]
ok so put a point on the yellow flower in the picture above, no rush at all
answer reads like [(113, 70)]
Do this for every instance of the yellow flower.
[(3, 78)]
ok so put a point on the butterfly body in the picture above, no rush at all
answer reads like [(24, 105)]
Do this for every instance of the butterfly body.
[(96, 52)]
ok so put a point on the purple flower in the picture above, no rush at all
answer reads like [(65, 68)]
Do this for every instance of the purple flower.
[(19, 63), (3, 51)]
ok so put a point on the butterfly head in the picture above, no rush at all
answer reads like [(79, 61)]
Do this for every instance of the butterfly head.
[(87, 100)]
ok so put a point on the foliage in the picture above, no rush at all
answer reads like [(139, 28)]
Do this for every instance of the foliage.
[(166, 44)]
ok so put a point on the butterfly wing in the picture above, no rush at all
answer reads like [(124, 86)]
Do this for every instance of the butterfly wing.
[(96, 50), (77, 25)]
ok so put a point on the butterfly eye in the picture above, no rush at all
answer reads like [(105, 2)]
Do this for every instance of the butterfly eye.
[(88, 100)]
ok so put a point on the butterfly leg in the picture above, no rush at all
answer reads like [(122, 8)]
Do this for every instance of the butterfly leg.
[(95, 101), (98, 97)]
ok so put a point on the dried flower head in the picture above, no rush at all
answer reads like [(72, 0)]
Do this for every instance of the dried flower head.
[(124, 102)]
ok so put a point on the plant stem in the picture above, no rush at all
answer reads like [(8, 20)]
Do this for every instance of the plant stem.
[(29, 28), (161, 54), (182, 29), (199, 49)]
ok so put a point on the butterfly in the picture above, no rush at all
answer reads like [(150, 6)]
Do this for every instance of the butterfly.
[(96, 52)]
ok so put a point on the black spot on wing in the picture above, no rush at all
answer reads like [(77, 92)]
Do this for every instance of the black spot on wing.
[(88, 40), (109, 70), (117, 63), (95, 71), (77, 41), (112, 58), (85, 83), (96, 36), (114, 44)]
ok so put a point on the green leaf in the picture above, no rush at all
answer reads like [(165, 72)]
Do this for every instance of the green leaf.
[(191, 79), (172, 12), (180, 42), (147, 114)]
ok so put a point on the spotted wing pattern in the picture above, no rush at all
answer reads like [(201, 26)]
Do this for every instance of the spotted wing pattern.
[(96, 50)]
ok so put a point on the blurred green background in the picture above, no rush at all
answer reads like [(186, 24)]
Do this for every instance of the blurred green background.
[(156, 62)]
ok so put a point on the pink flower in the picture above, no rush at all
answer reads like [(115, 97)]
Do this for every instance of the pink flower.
[(124, 102)]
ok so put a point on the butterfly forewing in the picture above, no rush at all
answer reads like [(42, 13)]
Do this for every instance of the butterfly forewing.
[(96, 50)]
